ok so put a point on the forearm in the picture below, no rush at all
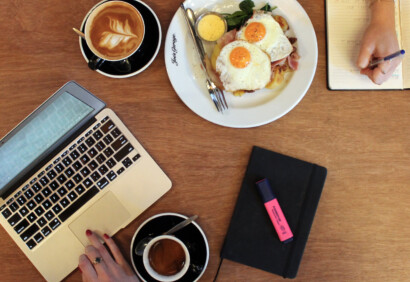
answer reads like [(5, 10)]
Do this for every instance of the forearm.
[(383, 12)]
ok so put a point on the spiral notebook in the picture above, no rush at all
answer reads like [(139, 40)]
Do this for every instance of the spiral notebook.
[(251, 238)]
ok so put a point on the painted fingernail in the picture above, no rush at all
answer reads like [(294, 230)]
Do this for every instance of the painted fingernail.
[(88, 232), (106, 236), (80, 269)]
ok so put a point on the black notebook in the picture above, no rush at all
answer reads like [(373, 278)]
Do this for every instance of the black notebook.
[(251, 238)]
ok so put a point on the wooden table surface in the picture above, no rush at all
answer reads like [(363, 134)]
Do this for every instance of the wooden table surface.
[(361, 230)]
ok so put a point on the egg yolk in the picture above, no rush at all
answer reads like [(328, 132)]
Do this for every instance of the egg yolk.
[(255, 32), (240, 57)]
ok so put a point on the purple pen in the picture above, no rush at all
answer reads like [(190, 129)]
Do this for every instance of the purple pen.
[(387, 58)]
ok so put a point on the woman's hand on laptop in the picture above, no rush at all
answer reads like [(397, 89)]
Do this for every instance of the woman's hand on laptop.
[(98, 265)]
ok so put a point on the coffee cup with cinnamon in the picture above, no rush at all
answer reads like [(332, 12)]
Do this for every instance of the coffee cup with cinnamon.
[(114, 31), (166, 258)]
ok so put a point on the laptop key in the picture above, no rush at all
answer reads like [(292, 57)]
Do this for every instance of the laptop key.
[(36, 187), (62, 191), (127, 162), (44, 181), (102, 183), (82, 148), (100, 158), (100, 146), (108, 152), (93, 165), (54, 185), (46, 204), (41, 221), (39, 198), (51, 174), (61, 178), (57, 209), (66, 161), (78, 203), (97, 135), (14, 206), (31, 217), (74, 155), (31, 205), (31, 244), (107, 126), (46, 192), (69, 172), (14, 219), (80, 189), (29, 232), (115, 133), (77, 166), (23, 211), (111, 163), (54, 223), (21, 200), (92, 152), (54, 198), (29, 193), (121, 170), (119, 142), (77, 178), (103, 169), (69, 185), (90, 142), (87, 183), (111, 175), (39, 211), (49, 215), (136, 157), (85, 159), (46, 231), (21, 226), (95, 176), (59, 168), (38, 237), (72, 196), (64, 202), (123, 152), (108, 139), (85, 172)]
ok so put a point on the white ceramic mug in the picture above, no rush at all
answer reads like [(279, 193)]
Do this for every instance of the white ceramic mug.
[(156, 275)]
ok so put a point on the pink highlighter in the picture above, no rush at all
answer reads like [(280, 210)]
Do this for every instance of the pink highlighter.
[(275, 212)]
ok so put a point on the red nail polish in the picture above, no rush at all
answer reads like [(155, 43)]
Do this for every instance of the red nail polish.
[(80, 270), (88, 232), (106, 236)]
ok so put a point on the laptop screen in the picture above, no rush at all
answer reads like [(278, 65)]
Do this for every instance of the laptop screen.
[(39, 134)]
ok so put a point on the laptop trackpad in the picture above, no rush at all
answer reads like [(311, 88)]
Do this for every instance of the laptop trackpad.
[(107, 215)]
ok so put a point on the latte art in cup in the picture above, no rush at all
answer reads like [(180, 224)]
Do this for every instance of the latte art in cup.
[(114, 30)]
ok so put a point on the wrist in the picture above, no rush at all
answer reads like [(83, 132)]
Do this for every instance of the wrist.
[(383, 12)]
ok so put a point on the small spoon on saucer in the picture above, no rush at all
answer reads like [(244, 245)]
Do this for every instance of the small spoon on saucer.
[(139, 249), (79, 32)]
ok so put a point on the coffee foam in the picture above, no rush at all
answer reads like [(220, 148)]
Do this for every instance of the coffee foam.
[(116, 30)]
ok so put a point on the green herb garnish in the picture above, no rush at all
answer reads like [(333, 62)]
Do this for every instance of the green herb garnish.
[(238, 18)]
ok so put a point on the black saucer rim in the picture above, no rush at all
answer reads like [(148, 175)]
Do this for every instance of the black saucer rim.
[(153, 56), (197, 226)]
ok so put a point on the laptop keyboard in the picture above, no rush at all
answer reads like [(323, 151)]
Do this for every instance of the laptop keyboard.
[(64, 186)]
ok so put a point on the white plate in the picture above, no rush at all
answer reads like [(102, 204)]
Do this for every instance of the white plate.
[(252, 109)]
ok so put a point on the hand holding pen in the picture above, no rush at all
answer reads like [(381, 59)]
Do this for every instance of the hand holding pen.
[(380, 41)]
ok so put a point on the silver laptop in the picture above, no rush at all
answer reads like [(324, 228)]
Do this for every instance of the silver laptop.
[(69, 166)]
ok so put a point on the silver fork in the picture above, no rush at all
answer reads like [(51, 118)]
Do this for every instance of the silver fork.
[(215, 93)]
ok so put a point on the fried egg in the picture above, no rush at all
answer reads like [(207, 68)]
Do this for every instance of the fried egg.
[(263, 31), (243, 66)]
